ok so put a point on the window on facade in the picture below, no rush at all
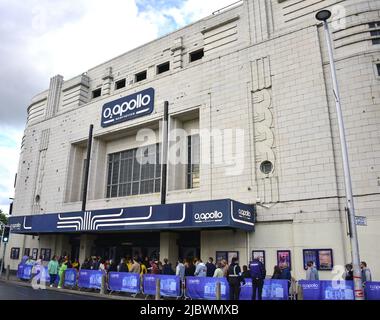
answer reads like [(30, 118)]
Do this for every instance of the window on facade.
[(193, 154), (266, 167), (134, 172), (96, 93), (120, 84), (163, 67), (375, 33), (196, 55), (141, 76)]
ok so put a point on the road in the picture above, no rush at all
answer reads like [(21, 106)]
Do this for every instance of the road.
[(11, 291)]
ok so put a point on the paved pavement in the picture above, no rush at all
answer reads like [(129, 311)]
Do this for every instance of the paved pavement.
[(13, 291)]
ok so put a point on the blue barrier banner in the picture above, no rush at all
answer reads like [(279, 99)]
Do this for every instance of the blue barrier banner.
[(338, 290), (372, 290), (312, 290), (24, 271), (124, 282), (327, 290), (42, 274), (272, 290), (70, 278), (90, 279), (205, 288), (170, 285)]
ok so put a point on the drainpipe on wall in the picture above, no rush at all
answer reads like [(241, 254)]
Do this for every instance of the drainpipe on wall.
[(248, 249)]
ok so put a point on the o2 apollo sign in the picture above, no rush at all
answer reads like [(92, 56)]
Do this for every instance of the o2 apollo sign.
[(215, 216), (131, 107)]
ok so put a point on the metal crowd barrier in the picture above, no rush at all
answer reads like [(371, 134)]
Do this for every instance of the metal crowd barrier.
[(204, 288), (164, 285)]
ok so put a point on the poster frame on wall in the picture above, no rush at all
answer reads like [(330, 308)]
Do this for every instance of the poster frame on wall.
[(316, 259), (289, 254), (262, 255)]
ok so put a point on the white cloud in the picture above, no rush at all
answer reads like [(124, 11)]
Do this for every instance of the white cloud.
[(10, 142), (105, 30)]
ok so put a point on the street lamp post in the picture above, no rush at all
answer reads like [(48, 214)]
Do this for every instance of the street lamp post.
[(323, 16), (3, 245)]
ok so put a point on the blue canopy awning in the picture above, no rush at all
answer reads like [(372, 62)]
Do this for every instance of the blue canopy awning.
[(193, 215)]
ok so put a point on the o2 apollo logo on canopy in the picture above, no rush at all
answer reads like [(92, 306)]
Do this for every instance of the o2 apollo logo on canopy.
[(215, 216), (128, 108)]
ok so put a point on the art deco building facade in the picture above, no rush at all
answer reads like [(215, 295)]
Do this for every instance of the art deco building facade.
[(256, 73)]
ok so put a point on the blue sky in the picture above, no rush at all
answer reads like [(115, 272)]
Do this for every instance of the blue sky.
[(42, 38)]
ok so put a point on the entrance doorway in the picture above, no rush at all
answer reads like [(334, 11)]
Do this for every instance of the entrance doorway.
[(75, 247), (189, 245), (117, 246)]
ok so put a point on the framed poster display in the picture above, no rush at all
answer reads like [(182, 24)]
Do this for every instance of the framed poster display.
[(284, 259), (232, 254), (15, 253), (27, 252), (35, 254), (221, 255), (226, 255), (322, 258), (260, 255), (46, 254)]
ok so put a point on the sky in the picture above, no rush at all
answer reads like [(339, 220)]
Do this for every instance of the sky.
[(42, 38)]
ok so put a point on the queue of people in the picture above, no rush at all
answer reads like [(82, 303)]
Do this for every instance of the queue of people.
[(348, 275), (365, 272), (189, 267)]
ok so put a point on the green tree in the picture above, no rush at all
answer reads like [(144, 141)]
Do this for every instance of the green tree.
[(3, 217)]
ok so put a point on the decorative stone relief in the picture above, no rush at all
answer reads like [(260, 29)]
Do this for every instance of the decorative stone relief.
[(44, 142), (107, 82), (54, 96), (177, 51), (264, 135)]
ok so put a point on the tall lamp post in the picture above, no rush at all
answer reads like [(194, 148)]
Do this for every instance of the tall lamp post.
[(3, 246), (323, 16)]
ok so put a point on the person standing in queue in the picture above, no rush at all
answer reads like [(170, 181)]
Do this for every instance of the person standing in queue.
[(53, 268), (234, 278), (258, 273), (210, 267), (286, 275), (276, 273)]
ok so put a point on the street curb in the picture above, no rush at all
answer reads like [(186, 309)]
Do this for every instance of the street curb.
[(68, 291)]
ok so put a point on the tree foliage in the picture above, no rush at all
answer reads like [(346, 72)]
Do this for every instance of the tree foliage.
[(3, 217)]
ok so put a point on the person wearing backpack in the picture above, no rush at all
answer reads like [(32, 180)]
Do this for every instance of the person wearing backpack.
[(258, 273)]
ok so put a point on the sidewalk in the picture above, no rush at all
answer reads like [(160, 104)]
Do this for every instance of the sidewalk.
[(15, 281)]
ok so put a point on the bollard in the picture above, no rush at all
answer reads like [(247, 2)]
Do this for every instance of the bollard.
[(7, 272), (300, 293), (218, 291), (63, 279), (158, 289), (103, 286)]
